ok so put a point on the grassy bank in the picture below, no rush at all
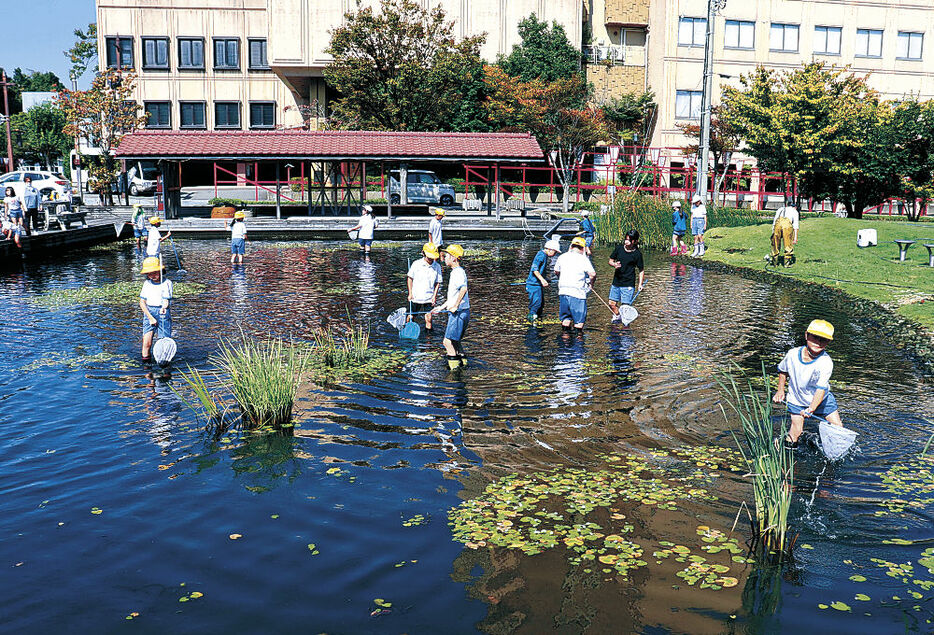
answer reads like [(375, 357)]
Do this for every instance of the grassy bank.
[(827, 254)]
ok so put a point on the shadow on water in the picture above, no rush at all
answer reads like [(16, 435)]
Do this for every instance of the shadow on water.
[(113, 485)]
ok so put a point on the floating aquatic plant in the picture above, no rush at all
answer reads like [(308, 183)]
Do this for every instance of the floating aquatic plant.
[(911, 483), (113, 293), (769, 464)]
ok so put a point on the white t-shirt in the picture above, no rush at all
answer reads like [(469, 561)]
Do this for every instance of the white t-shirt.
[(434, 231), (456, 282), (237, 230), (574, 270), (425, 278), (154, 294), (805, 378), (789, 212), (367, 224), (152, 242), (699, 211)]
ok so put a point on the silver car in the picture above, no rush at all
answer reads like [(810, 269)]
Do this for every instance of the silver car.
[(424, 186)]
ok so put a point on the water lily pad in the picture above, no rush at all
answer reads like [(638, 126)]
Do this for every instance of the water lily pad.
[(840, 606), (862, 597)]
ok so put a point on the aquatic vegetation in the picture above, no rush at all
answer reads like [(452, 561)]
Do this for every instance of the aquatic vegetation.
[(332, 357), (339, 289), (544, 510), (516, 320), (112, 293), (769, 464), (79, 359), (911, 483)]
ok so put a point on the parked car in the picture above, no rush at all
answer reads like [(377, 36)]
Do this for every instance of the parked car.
[(49, 184), (424, 186), (142, 177)]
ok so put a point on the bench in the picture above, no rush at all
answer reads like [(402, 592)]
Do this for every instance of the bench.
[(930, 247), (903, 246)]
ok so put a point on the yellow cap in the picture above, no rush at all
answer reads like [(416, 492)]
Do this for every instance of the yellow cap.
[(239, 215), (155, 220), (579, 242), (455, 250), (431, 251), (151, 264), (437, 211), (821, 328)]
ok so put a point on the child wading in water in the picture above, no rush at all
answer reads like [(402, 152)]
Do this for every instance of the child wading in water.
[(154, 303), (535, 283), (629, 277), (458, 305), (237, 238), (365, 227), (424, 280), (575, 278), (806, 371)]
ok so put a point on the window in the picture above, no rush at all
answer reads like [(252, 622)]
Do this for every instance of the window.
[(692, 31), (688, 104), (121, 47), (739, 34), (908, 46), (191, 53), (783, 37), (227, 54), (262, 114), (827, 40), (155, 53), (226, 114), (192, 114), (868, 43), (258, 54), (158, 113)]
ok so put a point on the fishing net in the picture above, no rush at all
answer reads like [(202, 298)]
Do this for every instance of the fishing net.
[(627, 314), (397, 318), (835, 440), (163, 351)]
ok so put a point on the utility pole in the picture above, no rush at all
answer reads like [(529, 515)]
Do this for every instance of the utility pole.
[(74, 88), (713, 6), (9, 137)]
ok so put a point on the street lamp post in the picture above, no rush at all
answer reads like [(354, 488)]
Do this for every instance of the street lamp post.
[(703, 151)]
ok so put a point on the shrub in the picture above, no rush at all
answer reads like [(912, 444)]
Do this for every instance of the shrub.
[(227, 202)]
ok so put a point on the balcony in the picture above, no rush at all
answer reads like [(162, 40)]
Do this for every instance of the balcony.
[(615, 55)]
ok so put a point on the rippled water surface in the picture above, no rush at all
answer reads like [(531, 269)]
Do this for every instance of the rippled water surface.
[(85, 429)]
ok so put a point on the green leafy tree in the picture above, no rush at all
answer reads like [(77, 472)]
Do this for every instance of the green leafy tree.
[(84, 51), (545, 53), (42, 133), (36, 81), (402, 69), (910, 152)]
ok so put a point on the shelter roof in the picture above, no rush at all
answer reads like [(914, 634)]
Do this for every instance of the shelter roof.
[(330, 145)]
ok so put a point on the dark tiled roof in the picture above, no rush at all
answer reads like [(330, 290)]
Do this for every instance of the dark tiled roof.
[(332, 144)]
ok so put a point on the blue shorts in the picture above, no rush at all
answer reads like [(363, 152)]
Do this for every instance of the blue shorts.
[(621, 295), (573, 309), (138, 233), (16, 213), (697, 226), (365, 242), (457, 324), (238, 246), (588, 240), (163, 326), (679, 233), (826, 407)]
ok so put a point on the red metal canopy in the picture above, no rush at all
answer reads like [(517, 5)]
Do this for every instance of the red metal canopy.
[(331, 145)]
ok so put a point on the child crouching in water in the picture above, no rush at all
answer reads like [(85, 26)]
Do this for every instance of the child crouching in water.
[(154, 303), (458, 305), (806, 372)]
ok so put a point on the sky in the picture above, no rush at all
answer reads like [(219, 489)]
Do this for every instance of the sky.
[(34, 38)]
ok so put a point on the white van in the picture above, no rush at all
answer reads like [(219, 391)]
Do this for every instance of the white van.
[(424, 186), (141, 175)]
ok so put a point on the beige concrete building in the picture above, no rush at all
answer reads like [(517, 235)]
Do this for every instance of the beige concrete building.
[(251, 64)]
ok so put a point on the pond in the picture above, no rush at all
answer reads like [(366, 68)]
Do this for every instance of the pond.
[(557, 484)]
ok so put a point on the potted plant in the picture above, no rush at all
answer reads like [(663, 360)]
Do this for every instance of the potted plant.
[(223, 207)]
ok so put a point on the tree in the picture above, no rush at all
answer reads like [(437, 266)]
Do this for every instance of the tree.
[(910, 145), (725, 139), (631, 117), (36, 81), (83, 52), (102, 115), (42, 132), (545, 53), (557, 113), (401, 69)]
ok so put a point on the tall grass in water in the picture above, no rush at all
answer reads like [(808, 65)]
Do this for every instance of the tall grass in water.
[(341, 352), (651, 216), (770, 464)]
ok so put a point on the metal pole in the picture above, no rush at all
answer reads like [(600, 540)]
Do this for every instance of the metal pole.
[(278, 194), (704, 148), (74, 88), (9, 136)]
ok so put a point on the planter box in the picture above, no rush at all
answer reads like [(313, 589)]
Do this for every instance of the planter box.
[(223, 212)]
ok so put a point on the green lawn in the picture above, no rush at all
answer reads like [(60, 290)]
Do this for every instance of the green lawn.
[(827, 254)]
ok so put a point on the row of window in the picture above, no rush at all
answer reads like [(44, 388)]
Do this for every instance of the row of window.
[(226, 114), (740, 34), (191, 55)]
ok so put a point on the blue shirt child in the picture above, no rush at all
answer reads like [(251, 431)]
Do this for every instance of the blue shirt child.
[(539, 264), (679, 220), (588, 228)]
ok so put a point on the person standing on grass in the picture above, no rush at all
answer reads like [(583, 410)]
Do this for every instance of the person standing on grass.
[(535, 283), (434, 228), (679, 228), (698, 225), (32, 201), (575, 279), (458, 306), (237, 237), (784, 230), (627, 260), (587, 230), (154, 300), (806, 371), (154, 240), (365, 226), (424, 281)]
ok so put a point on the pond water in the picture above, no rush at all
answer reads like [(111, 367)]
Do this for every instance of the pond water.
[(120, 514)]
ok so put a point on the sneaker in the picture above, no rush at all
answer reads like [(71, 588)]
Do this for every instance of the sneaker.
[(683, 251), (673, 252), (616, 318), (531, 317)]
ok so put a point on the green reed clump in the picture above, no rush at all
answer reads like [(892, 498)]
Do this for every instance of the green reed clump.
[(651, 216), (341, 352), (112, 293), (769, 463)]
